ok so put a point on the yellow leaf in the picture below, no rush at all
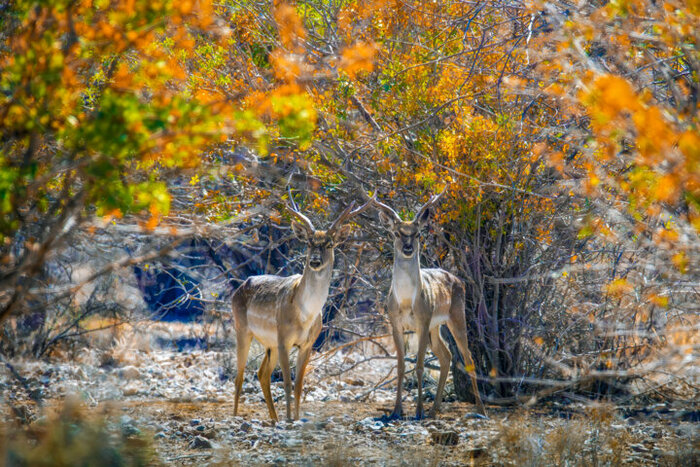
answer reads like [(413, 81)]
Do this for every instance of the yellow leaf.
[(358, 58), (680, 261), (618, 287)]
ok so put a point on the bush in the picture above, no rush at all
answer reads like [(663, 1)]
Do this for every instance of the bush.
[(72, 438)]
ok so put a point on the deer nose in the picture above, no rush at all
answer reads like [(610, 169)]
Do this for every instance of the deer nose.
[(315, 259)]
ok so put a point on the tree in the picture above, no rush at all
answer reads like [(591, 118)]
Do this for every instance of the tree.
[(97, 113)]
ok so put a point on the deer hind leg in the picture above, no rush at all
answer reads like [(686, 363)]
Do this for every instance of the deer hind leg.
[(268, 364), (444, 356), (423, 337), (458, 327), (243, 339)]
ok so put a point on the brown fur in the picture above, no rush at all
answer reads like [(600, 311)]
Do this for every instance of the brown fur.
[(422, 300), (285, 312)]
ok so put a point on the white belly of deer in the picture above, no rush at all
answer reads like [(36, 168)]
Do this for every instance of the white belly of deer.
[(263, 325), (437, 320)]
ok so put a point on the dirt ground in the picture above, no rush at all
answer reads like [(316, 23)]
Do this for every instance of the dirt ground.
[(181, 400)]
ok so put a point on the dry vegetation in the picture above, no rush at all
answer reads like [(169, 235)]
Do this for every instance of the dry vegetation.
[(132, 402), (148, 150)]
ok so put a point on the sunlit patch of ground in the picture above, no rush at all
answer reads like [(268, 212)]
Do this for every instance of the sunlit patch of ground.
[(153, 385)]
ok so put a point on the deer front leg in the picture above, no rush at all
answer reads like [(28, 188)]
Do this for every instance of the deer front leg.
[(302, 362), (423, 335), (397, 332), (287, 376)]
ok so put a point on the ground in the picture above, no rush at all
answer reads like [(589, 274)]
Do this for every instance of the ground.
[(181, 399)]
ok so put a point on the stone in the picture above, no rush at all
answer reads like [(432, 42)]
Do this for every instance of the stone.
[(131, 389), (478, 416), (246, 427), (291, 442), (200, 442), (639, 448), (445, 438), (476, 452), (129, 372), (130, 430)]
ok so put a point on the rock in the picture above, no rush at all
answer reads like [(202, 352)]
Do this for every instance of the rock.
[(131, 389), (291, 442), (639, 448), (354, 382), (323, 425), (246, 427), (200, 428), (475, 415), (200, 442), (130, 430), (129, 372), (476, 452), (371, 423), (159, 435), (195, 422), (445, 438)]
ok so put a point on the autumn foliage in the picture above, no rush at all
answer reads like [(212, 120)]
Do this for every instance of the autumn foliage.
[(566, 137)]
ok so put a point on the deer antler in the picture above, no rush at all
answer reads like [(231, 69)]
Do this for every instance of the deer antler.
[(433, 199), (387, 209), (349, 213), (294, 210)]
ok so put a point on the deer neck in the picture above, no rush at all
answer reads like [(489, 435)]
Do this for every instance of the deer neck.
[(313, 288), (406, 279)]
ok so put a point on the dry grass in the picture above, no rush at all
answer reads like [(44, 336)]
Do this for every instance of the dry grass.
[(71, 437), (597, 437)]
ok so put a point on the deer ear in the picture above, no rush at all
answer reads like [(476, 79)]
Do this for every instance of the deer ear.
[(342, 234), (384, 218), (424, 217), (300, 232)]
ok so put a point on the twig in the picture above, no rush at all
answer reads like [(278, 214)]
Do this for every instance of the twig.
[(348, 344), (383, 382), (189, 456), (22, 381)]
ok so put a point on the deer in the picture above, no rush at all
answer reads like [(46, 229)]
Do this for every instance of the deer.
[(285, 312), (421, 300)]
